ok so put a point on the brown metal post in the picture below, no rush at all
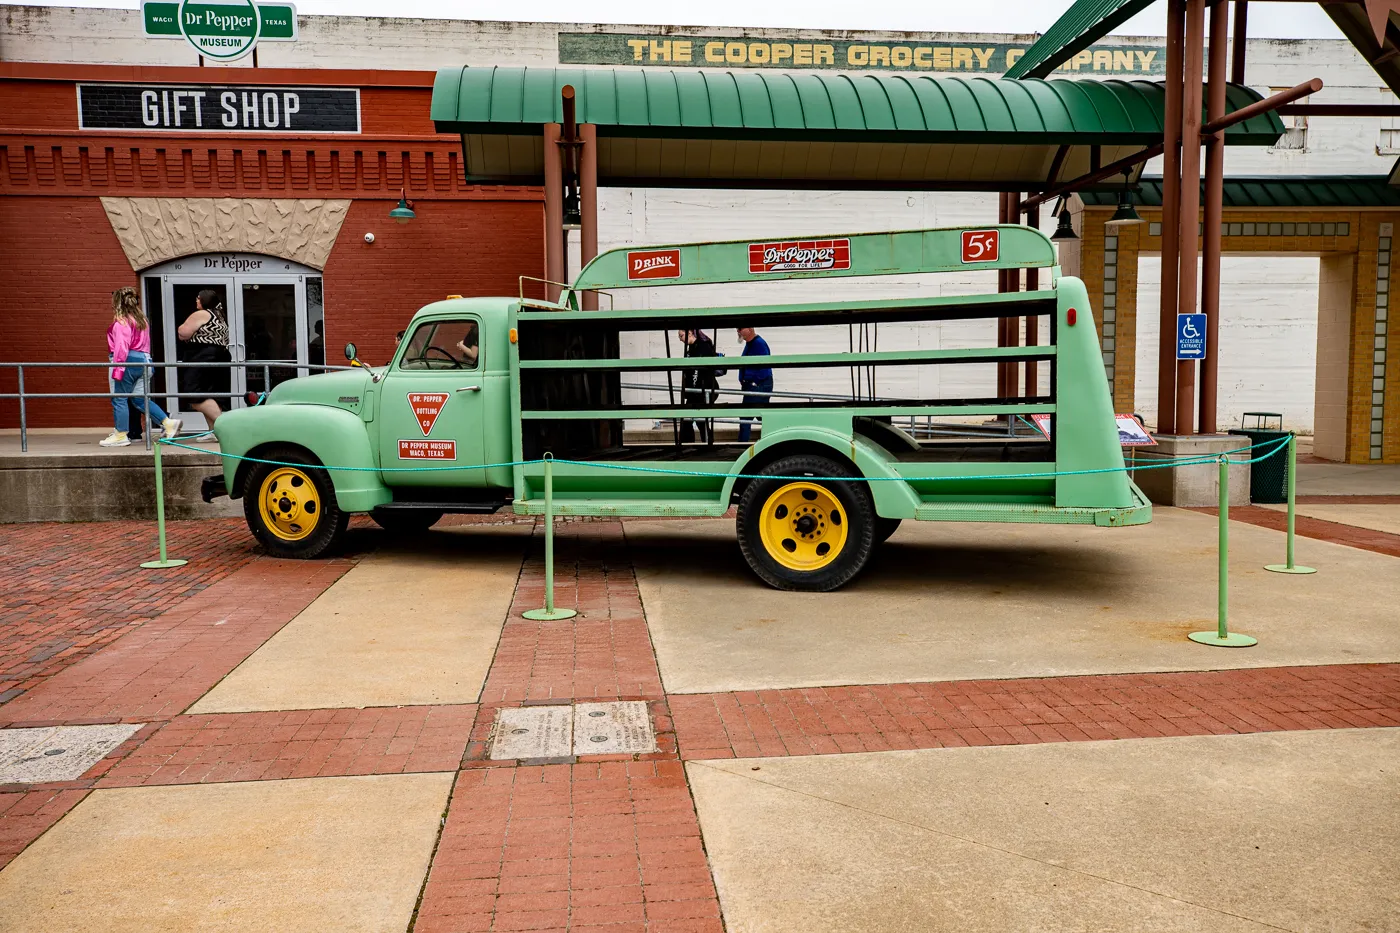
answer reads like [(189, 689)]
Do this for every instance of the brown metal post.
[(1013, 284), (1003, 286), (553, 211), (1214, 208), (1032, 322), (1171, 207), (1193, 63), (588, 204), (1237, 45)]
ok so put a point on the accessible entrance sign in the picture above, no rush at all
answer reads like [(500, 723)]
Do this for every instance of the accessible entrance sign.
[(220, 29), (1190, 336)]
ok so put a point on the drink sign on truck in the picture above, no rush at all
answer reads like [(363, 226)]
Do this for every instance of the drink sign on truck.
[(482, 388)]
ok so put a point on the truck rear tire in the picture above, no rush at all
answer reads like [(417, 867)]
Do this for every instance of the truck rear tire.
[(405, 521), (290, 506), (806, 534)]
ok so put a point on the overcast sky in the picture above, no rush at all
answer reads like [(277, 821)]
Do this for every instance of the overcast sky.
[(1273, 20)]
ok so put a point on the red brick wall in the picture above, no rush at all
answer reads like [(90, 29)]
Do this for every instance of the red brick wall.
[(62, 261), (451, 248)]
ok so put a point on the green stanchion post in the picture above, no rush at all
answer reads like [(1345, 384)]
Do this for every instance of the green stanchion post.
[(160, 518), (549, 613), (1222, 637), (1291, 567)]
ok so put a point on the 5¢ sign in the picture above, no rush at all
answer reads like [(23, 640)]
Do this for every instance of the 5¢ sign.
[(980, 246)]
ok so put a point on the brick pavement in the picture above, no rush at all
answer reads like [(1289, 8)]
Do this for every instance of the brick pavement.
[(1350, 535), (68, 590), (596, 843), (832, 720)]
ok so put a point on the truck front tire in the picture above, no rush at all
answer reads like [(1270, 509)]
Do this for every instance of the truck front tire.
[(800, 530), (290, 505)]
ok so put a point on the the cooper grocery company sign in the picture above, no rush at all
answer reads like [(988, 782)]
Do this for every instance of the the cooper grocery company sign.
[(220, 29), (799, 256), (653, 264)]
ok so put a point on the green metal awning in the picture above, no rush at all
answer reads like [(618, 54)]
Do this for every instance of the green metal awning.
[(1082, 24), (1339, 191), (693, 128)]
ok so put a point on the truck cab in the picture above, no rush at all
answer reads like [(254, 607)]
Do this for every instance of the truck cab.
[(409, 441)]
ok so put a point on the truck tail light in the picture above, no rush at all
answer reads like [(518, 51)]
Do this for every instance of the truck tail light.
[(1071, 317)]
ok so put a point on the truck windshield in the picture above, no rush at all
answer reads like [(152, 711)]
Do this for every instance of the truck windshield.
[(442, 345)]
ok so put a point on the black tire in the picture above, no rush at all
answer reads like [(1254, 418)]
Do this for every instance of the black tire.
[(852, 507), (406, 521), (320, 526), (884, 527)]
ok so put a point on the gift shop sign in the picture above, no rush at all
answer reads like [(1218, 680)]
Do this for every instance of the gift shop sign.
[(220, 29), (800, 256), (218, 108)]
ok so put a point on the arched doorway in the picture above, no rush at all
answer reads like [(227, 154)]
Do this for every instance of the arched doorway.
[(275, 310)]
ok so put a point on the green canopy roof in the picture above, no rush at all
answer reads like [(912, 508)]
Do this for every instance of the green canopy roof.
[(1341, 191), (1081, 25), (695, 128)]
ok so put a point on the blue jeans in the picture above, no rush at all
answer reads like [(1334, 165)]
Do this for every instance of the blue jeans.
[(763, 385), (133, 380)]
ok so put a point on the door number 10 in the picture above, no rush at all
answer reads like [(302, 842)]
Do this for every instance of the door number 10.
[(979, 246)]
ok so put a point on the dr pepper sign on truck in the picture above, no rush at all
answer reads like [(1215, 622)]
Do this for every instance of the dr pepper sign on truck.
[(437, 430)]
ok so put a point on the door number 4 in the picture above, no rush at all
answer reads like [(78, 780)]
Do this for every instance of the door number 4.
[(979, 246)]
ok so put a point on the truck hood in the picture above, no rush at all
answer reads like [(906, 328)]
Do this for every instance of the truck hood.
[(341, 389)]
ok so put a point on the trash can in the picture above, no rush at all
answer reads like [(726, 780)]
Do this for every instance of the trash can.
[(1268, 479)]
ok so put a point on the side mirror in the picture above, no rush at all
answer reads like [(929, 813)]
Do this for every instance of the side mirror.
[(350, 352)]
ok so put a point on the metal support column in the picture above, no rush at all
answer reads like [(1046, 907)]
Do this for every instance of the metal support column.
[(553, 211), (1237, 44), (1171, 207), (588, 204), (1214, 208), (1032, 322), (1193, 61)]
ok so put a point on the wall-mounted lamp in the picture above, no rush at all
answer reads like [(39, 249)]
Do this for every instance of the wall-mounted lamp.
[(404, 212)]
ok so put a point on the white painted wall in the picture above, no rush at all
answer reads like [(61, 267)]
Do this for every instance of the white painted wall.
[(1268, 338)]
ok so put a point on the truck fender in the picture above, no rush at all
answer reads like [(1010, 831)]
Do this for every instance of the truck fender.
[(893, 498), (334, 436)]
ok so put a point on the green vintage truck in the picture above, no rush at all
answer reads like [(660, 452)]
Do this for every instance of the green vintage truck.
[(482, 388)]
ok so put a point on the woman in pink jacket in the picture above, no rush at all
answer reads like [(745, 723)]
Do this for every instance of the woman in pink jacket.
[(129, 341)]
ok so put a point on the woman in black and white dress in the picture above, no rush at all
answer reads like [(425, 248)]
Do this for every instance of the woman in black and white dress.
[(204, 339)]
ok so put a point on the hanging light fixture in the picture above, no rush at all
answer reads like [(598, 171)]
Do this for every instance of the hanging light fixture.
[(1064, 226), (404, 212), (1126, 213)]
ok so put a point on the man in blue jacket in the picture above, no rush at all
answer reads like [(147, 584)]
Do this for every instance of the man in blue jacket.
[(753, 379)]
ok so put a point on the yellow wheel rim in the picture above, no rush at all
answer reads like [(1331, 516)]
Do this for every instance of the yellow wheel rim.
[(289, 504), (803, 526)]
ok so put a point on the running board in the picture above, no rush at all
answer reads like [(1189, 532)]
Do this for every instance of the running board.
[(457, 508)]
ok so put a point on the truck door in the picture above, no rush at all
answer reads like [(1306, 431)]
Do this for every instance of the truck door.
[(431, 407)]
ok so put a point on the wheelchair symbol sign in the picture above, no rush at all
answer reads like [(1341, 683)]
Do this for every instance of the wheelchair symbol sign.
[(1190, 336)]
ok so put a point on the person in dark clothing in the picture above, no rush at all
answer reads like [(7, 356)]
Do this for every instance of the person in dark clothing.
[(698, 386), (756, 381)]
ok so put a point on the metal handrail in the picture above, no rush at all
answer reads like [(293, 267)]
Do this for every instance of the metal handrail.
[(146, 372)]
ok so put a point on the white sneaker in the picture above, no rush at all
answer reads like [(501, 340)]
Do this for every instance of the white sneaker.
[(172, 426), (115, 439)]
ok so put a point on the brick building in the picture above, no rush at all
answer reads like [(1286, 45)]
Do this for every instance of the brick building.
[(125, 175)]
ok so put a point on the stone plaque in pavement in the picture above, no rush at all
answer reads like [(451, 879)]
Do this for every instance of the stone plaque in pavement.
[(622, 727), (533, 732), (56, 753)]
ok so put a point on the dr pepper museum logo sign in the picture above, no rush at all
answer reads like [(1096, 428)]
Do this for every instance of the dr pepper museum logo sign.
[(220, 29), (894, 53)]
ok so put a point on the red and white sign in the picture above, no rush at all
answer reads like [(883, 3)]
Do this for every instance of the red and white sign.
[(427, 450), (654, 264), (426, 408), (799, 255), (980, 246)]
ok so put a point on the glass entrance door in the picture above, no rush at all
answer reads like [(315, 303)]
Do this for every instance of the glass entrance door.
[(271, 328), (177, 304)]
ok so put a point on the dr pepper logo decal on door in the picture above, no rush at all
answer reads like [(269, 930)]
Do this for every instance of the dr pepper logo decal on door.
[(426, 408), (980, 246), (654, 264), (799, 255)]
